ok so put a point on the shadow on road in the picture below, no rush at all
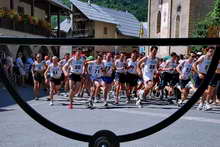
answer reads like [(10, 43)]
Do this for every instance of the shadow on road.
[(7, 100)]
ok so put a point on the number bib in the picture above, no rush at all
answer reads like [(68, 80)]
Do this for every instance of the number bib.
[(133, 67), (76, 67), (108, 68), (150, 65), (55, 71)]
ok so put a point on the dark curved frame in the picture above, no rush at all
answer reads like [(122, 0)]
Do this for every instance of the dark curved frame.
[(122, 138)]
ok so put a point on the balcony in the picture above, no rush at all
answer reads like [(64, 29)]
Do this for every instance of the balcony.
[(15, 25), (83, 33)]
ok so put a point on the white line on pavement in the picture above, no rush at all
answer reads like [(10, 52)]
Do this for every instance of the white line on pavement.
[(199, 119)]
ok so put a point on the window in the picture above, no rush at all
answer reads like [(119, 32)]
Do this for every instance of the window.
[(177, 31), (158, 22), (105, 30), (20, 10)]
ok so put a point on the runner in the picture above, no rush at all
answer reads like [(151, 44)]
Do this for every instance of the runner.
[(132, 75), (76, 69), (151, 64), (213, 85), (170, 76), (87, 84), (96, 72), (185, 69), (108, 76), (21, 67), (37, 70), (55, 71), (120, 65), (201, 67)]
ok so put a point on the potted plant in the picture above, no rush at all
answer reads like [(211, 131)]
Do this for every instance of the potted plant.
[(27, 24), (6, 20), (19, 23), (35, 20)]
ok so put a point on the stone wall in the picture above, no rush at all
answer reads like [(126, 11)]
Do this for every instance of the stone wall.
[(189, 12)]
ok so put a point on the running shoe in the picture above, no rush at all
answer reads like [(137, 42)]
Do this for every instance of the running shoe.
[(207, 107), (65, 94), (139, 104), (200, 106), (180, 103), (90, 105), (106, 104), (51, 103), (96, 100), (36, 98)]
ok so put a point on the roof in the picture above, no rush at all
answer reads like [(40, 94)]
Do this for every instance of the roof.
[(93, 12), (127, 24), (65, 25), (59, 4)]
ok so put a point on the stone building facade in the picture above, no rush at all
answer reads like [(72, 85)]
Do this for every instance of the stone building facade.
[(175, 19), (11, 27)]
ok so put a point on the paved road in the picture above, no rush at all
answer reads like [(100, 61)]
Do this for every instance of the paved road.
[(195, 129)]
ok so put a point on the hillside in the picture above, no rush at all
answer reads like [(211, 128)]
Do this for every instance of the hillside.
[(136, 7)]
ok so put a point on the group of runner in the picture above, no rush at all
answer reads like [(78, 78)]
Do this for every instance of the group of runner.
[(135, 75)]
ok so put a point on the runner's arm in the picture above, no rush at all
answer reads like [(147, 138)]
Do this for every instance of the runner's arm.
[(199, 61)]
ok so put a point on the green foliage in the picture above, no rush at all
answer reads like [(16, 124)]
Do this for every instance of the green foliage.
[(212, 19), (137, 7)]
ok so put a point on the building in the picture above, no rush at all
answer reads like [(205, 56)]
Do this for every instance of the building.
[(93, 21), (30, 18), (175, 19)]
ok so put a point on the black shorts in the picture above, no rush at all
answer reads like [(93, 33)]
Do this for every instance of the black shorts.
[(121, 77), (132, 79), (38, 77), (170, 79), (62, 78), (183, 83), (55, 81), (214, 80), (75, 77)]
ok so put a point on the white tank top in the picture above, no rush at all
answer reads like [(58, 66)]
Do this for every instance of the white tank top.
[(204, 66), (119, 64), (76, 66), (38, 66), (108, 67), (96, 70), (133, 66), (150, 66), (186, 69), (55, 71), (171, 64)]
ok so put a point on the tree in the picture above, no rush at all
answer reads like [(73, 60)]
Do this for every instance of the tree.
[(210, 23)]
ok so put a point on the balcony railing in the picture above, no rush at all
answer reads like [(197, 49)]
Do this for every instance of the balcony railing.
[(11, 24)]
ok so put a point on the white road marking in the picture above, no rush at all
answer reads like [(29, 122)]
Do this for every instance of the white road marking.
[(191, 118)]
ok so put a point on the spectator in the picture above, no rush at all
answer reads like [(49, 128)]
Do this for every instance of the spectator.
[(21, 67)]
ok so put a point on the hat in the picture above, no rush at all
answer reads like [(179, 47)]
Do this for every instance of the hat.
[(199, 53), (90, 58)]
